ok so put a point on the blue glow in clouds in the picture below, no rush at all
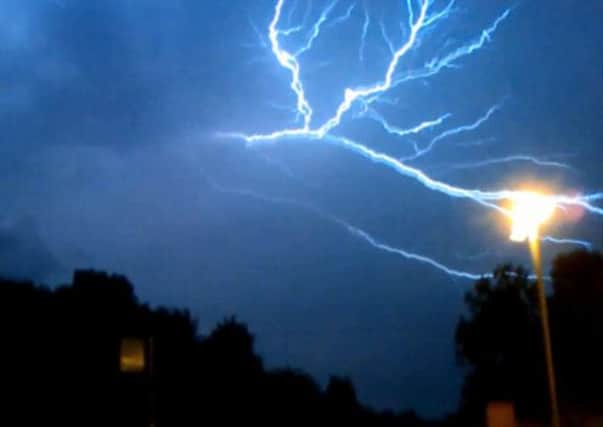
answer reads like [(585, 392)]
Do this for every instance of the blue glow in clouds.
[(365, 27), (421, 15)]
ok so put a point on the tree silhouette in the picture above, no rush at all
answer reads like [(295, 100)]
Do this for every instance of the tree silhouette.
[(60, 365), (577, 319), (500, 341)]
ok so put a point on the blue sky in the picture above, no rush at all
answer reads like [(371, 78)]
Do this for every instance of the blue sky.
[(109, 159)]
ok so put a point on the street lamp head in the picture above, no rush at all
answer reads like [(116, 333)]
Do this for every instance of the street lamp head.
[(529, 210)]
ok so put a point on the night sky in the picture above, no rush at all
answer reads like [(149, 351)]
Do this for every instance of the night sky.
[(110, 158)]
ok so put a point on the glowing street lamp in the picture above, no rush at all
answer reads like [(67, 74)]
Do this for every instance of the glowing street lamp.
[(529, 211)]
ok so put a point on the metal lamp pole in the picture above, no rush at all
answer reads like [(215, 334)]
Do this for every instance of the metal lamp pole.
[(544, 317)]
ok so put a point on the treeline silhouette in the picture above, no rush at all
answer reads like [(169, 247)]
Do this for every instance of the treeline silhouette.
[(60, 358), (500, 342), (60, 365)]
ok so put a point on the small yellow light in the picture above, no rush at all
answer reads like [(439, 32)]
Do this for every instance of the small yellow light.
[(528, 212), (132, 355)]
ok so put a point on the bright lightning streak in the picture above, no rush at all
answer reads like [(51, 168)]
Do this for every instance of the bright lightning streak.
[(466, 128), (583, 243), (289, 62), (411, 16), (341, 19), (448, 60), (509, 159), (316, 29), (350, 95), (485, 198), (408, 131), (482, 197), (354, 231), (291, 30), (454, 131), (419, 19), (440, 15), (436, 65), (409, 255)]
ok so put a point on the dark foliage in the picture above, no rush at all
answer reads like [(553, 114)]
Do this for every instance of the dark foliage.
[(500, 339), (60, 365), (577, 327)]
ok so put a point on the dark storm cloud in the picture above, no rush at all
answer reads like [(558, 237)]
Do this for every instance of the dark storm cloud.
[(118, 73), (23, 253), (77, 77)]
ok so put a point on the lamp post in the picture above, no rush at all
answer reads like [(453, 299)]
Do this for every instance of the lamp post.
[(529, 211)]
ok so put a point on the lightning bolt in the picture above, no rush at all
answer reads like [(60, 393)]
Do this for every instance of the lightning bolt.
[(451, 132), (343, 18), (351, 229), (439, 15), (316, 29), (400, 132), (415, 257), (362, 234), (420, 17), (289, 62), (583, 243), (508, 159), (466, 128), (436, 64)]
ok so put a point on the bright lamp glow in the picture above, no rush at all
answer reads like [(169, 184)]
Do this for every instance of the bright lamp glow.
[(528, 212)]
